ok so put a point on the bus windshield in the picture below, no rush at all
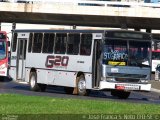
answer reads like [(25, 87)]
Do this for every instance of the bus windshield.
[(2, 49), (126, 53)]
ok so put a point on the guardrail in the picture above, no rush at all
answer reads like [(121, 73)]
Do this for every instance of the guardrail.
[(89, 3), (133, 9)]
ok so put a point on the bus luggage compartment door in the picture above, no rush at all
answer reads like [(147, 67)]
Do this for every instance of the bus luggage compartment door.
[(21, 56)]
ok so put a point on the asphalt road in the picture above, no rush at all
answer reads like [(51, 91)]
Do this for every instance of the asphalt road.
[(8, 86)]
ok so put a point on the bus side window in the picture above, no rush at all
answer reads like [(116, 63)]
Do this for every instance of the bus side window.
[(86, 42), (37, 43), (30, 42), (73, 44), (60, 43), (14, 45), (48, 43)]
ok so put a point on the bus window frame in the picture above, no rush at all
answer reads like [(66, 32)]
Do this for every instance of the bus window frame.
[(78, 45), (44, 41), (86, 53), (39, 48), (56, 51)]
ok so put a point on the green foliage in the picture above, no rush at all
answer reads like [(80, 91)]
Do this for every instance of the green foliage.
[(21, 104)]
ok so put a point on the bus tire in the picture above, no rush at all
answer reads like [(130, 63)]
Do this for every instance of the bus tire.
[(120, 94), (33, 82), (81, 85)]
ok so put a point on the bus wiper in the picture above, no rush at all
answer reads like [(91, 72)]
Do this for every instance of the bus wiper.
[(139, 64)]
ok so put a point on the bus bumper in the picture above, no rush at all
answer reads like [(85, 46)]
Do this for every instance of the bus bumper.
[(124, 86)]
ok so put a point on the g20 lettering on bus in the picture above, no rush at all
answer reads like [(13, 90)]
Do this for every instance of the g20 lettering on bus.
[(57, 61)]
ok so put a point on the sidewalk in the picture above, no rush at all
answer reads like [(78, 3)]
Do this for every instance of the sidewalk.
[(155, 85)]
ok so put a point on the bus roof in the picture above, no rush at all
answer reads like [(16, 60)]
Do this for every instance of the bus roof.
[(57, 30), (76, 30), (116, 33)]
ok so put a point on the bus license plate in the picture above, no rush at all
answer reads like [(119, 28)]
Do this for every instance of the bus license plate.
[(127, 87)]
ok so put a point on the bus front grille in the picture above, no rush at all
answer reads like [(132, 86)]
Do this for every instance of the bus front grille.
[(127, 80), (124, 75)]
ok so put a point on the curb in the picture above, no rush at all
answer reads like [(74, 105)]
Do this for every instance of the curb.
[(155, 90), (21, 82)]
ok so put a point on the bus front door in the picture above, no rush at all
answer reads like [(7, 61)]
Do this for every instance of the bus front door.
[(21, 56), (96, 63)]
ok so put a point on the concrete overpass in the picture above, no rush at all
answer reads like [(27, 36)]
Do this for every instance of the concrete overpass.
[(137, 16)]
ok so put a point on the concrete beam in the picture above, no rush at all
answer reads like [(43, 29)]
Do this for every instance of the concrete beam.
[(137, 10), (80, 20), (137, 17)]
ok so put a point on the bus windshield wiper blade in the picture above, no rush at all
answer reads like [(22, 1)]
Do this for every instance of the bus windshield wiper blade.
[(139, 64)]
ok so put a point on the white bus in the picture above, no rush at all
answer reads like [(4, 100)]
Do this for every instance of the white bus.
[(82, 60), (155, 59)]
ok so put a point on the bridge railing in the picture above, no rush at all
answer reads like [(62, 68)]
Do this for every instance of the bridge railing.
[(90, 3), (133, 9)]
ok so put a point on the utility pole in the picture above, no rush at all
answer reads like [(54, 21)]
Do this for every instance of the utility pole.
[(13, 26)]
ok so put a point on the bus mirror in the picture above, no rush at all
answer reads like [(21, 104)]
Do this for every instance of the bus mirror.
[(8, 43)]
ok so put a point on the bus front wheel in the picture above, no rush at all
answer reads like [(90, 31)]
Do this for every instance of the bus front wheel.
[(81, 85)]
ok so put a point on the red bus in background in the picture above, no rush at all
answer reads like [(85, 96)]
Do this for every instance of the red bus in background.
[(3, 54)]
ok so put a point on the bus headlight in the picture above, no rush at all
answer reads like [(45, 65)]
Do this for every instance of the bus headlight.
[(143, 81), (109, 79), (3, 66)]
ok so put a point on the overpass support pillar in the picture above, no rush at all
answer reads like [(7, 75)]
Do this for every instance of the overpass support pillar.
[(13, 26), (74, 27), (148, 30)]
